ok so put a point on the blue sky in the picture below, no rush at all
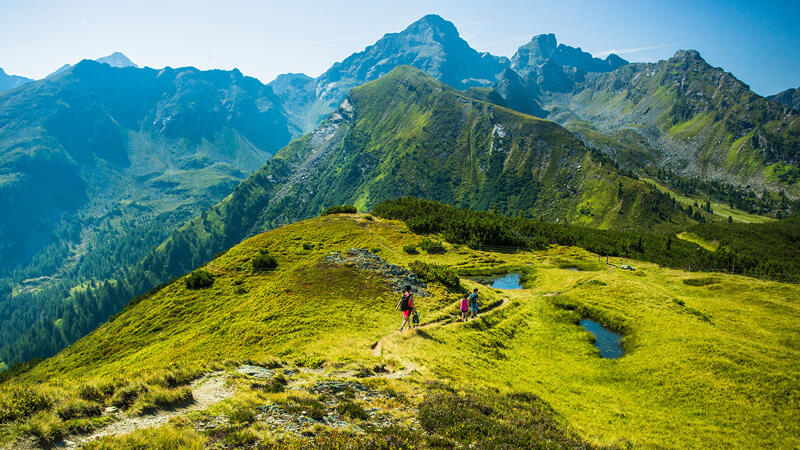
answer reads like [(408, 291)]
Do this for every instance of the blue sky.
[(757, 41)]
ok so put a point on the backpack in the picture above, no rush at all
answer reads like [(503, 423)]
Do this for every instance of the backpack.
[(404, 303), (415, 319)]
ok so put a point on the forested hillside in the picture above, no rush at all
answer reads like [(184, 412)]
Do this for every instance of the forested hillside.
[(98, 164)]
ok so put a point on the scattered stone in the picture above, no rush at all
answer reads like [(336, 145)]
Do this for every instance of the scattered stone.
[(365, 260), (627, 267), (255, 371)]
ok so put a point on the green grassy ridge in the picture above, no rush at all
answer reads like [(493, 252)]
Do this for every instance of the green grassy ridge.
[(718, 382)]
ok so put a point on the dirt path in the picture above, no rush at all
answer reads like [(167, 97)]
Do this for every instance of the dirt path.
[(409, 366), (206, 391)]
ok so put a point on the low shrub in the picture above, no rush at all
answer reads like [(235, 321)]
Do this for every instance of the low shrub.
[(312, 408), (264, 261), (240, 439), (174, 378), (78, 409), (430, 272), (46, 428), (91, 393), (307, 246), (273, 385), (86, 426), (411, 249), (125, 396), (199, 279), (352, 410), (431, 246), (242, 415), (341, 209), (158, 398), (21, 403), (488, 420), (369, 217), (700, 281)]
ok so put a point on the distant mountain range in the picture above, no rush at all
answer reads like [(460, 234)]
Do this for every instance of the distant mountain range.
[(11, 81), (115, 59), (789, 97)]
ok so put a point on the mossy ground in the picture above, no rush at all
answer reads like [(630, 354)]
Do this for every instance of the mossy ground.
[(712, 361)]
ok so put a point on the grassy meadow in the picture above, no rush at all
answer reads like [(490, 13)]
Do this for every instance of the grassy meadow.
[(711, 359)]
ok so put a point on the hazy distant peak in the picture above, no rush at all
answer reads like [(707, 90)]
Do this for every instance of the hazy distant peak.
[(11, 81), (116, 59)]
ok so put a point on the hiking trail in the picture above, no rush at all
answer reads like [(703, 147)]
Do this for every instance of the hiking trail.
[(207, 391)]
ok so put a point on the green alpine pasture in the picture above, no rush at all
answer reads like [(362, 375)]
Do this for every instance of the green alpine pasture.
[(712, 360)]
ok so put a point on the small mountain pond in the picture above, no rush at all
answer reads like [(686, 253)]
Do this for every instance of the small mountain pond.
[(504, 281), (608, 342)]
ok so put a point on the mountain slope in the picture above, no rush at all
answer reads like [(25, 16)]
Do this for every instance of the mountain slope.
[(703, 121), (430, 44), (323, 325), (11, 81), (407, 134), (789, 97), (99, 164)]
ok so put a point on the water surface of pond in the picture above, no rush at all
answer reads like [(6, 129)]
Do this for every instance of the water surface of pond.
[(505, 281), (608, 342)]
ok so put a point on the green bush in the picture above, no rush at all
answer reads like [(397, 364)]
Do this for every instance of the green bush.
[(275, 384), (156, 399), (341, 209), (487, 420), (199, 279), (264, 262), (352, 410), (411, 249), (313, 408), (307, 246), (431, 246), (91, 393), (78, 409), (125, 396), (242, 415), (431, 273), (23, 402)]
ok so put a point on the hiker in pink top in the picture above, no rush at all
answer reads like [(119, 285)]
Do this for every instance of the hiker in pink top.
[(464, 307)]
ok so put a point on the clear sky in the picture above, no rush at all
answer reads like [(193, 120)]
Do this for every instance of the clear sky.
[(758, 41)]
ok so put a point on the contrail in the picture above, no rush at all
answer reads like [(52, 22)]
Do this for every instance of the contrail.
[(633, 50)]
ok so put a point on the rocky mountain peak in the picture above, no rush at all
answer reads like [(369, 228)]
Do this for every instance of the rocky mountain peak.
[(688, 55), (545, 47), (116, 59)]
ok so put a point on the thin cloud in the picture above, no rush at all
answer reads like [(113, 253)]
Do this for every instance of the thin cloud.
[(623, 51)]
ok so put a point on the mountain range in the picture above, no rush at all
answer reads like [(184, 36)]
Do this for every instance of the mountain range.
[(130, 176), (789, 97), (11, 81)]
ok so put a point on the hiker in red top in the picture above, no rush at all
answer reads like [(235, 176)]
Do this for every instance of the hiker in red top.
[(406, 304)]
